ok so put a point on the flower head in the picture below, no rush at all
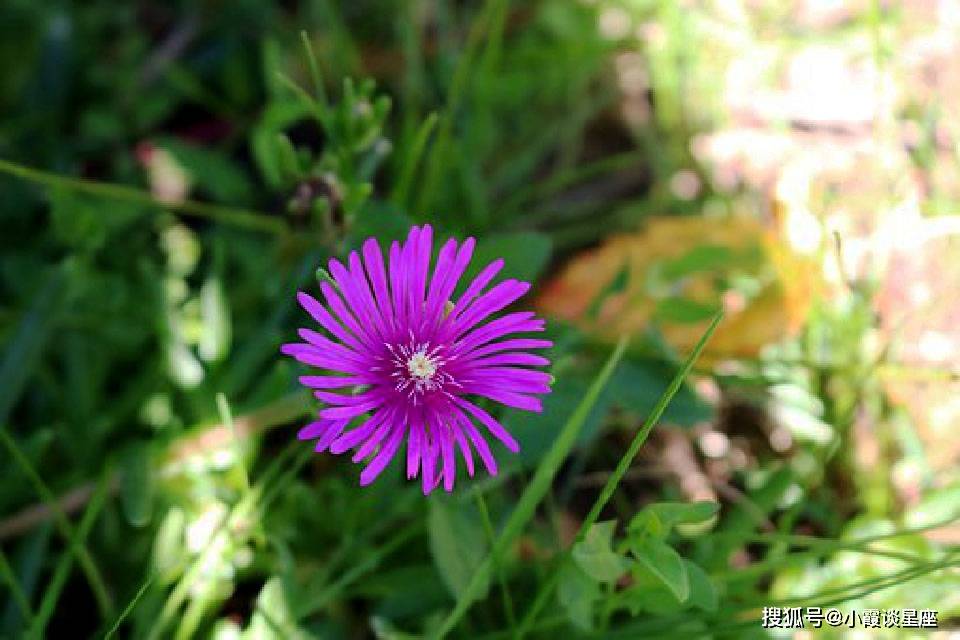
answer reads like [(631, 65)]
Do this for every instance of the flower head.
[(407, 362)]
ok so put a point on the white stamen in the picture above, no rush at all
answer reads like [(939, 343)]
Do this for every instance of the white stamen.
[(421, 366)]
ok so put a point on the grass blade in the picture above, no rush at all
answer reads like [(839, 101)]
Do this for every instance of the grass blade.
[(622, 466), (130, 606), (62, 570), (412, 161), (19, 597), (94, 577), (227, 215), (490, 22), (315, 76), (535, 491), (27, 342)]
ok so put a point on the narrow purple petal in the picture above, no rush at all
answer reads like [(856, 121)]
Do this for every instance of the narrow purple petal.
[(492, 425), (449, 463), (308, 354), (313, 430), (345, 315), (323, 317), (475, 287), (382, 459), (328, 347), (441, 273), (518, 322), (414, 448), (421, 268), (352, 292), (440, 292), (509, 345), (515, 400), (492, 301), (511, 378), (509, 358), (354, 437), (479, 443), (349, 411), (367, 448), (428, 458), (331, 434), (343, 399), (397, 276), (373, 260), (463, 445), (332, 382)]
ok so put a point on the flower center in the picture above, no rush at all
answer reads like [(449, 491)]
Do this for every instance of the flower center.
[(421, 366), (417, 368)]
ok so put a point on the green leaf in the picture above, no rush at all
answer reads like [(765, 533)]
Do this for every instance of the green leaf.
[(383, 629), (272, 616), (216, 331), (457, 543), (212, 171), (679, 310), (535, 491), (524, 253), (660, 518), (536, 432), (169, 551), (263, 139), (703, 594), (638, 384), (577, 593), (650, 594), (595, 555), (706, 257), (136, 485), (25, 345), (617, 285), (663, 562)]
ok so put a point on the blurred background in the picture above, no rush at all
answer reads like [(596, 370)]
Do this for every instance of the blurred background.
[(173, 172)]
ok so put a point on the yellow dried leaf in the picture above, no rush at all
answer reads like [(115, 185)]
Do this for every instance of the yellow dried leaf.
[(675, 271)]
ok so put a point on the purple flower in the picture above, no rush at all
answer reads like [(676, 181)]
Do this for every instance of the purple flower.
[(407, 360)]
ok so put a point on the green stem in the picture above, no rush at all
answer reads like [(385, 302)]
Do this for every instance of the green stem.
[(19, 597), (534, 492), (498, 568), (97, 584), (820, 546), (371, 562), (130, 606), (493, 14), (622, 466), (62, 570), (227, 215)]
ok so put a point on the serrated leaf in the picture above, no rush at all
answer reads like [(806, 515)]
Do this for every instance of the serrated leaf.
[(457, 544), (664, 563), (595, 555)]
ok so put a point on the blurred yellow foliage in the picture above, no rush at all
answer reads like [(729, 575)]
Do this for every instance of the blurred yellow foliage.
[(676, 272)]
